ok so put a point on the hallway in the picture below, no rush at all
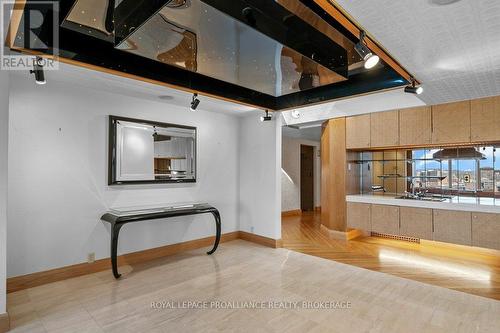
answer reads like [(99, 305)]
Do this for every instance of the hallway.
[(474, 271)]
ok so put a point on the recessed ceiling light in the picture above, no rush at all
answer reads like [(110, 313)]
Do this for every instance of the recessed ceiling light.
[(442, 2), (166, 97)]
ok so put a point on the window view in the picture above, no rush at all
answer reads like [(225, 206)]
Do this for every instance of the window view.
[(463, 171)]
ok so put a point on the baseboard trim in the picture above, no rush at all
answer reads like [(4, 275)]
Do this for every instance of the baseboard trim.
[(4, 322), (341, 235), (295, 212), (266, 241), (40, 278)]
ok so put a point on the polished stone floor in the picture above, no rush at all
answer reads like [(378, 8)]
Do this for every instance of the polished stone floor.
[(154, 296)]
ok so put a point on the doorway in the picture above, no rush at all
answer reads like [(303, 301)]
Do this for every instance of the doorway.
[(306, 178)]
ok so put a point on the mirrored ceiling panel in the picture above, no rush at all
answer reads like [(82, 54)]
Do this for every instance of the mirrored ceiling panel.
[(195, 36)]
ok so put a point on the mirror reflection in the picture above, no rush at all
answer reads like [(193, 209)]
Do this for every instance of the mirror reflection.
[(145, 151)]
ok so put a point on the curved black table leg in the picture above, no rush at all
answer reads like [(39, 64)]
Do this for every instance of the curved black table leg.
[(216, 215), (115, 231)]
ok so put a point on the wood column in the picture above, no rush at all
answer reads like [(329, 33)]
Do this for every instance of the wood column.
[(333, 175)]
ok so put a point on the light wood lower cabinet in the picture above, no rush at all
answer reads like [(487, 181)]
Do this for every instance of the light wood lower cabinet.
[(416, 222), (486, 230), (385, 219), (452, 227), (359, 216)]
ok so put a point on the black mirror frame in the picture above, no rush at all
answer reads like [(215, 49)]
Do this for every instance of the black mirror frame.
[(112, 152)]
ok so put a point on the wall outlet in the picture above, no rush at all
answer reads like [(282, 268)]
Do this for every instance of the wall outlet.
[(91, 257)]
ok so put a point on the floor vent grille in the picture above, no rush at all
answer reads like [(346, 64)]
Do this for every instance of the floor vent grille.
[(401, 238)]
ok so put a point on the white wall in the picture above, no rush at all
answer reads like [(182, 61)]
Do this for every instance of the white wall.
[(57, 187), (4, 131), (260, 183), (290, 173)]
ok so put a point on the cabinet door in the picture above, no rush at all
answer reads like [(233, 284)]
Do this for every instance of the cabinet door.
[(451, 123), (358, 216), (358, 131), (384, 129), (416, 222), (415, 126), (485, 119), (385, 219), (486, 230), (452, 227)]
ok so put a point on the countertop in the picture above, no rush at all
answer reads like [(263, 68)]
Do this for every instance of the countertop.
[(483, 205)]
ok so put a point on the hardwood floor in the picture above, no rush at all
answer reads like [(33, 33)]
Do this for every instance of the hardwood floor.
[(469, 270)]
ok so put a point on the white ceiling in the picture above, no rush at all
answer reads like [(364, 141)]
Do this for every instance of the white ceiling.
[(100, 81), (309, 133), (453, 49)]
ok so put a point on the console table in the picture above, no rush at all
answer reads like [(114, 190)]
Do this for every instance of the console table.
[(118, 218)]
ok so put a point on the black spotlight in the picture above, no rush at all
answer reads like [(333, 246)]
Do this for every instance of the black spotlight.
[(194, 102), (370, 59), (266, 117), (413, 88), (38, 70)]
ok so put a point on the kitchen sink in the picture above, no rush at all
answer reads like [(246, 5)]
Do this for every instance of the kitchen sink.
[(433, 198)]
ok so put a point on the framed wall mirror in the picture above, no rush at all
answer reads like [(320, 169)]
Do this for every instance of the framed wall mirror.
[(144, 151)]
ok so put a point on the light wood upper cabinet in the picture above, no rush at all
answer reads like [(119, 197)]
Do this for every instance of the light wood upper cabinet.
[(415, 126), (385, 219), (358, 131), (485, 119), (451, 122), (486, 230), (452, 227), (358, 216), (384, 129), (416, 222)]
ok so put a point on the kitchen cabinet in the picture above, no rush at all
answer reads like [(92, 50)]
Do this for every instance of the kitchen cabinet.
[(358, 131), (415, 126), (358, 216), (384, 129), (485, 119), (452, 227), (415, 222), (451, 123), (486, 230), (385, 219)]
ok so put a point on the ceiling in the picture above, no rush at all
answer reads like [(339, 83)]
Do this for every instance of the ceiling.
[(270, 54), (309, 133), (453, 49), (96, 80)]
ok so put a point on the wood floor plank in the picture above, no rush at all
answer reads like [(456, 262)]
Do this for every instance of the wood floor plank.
[(469, 270)]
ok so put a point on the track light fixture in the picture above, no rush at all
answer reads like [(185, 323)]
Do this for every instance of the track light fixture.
[(413, 88), (38, 70), (266, 117), (370, 59), (194, 102)]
